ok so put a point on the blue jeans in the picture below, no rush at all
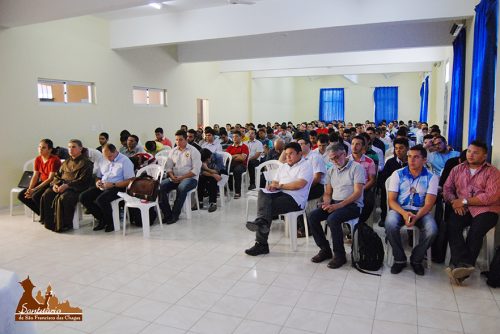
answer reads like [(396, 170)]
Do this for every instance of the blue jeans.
[(182, 189), (428, 231), (334, 220)]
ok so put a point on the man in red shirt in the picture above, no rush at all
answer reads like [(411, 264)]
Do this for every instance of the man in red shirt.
[(239, 152), (160, 138), (473, 190)]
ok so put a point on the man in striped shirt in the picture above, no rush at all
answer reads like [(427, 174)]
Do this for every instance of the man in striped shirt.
[(473, 190)]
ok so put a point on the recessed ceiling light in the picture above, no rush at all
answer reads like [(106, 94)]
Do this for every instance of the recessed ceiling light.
[(155, 5)]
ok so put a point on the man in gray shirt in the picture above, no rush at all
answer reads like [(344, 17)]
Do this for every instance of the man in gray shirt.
[(342, 201)]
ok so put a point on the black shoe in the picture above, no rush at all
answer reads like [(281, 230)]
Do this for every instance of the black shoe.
[(172, 220), (212, 207), (258, 224), (324, 254), (258, 249), (418, 268), (109, 228), (99, 227), (397, 268), (251, 187), (337, 262)]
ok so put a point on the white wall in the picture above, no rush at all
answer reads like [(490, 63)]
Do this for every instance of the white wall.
[(78, 49), (358, 98), (273, 100)]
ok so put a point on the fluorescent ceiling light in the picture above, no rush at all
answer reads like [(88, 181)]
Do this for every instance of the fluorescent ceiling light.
[(155, 5)]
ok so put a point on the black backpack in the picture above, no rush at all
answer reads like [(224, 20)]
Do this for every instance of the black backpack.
[(494, 273), (367, 249)]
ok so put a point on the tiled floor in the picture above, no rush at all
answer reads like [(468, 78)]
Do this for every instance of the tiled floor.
[(193, 277)]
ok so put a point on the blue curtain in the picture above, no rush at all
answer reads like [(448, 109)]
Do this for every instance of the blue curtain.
[(483, 72), (386, 103), (456, 125), (331, 104), (424, 99)]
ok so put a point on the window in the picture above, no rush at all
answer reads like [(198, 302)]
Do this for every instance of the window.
[(331, 104), (60, 91), (150, 96)]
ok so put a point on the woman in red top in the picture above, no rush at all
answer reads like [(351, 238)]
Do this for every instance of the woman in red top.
[(46, 166)]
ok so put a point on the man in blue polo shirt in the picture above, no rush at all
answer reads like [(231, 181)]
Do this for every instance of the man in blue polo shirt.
[(412, 193), (113, 175)]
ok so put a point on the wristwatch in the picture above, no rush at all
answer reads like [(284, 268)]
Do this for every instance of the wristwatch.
[(465, 202)]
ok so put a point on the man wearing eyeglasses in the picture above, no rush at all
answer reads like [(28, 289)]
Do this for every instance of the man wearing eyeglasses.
[(441, 154), (342, 201)]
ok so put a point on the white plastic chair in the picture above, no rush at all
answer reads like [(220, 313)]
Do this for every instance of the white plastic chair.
[(271, 170), (95, 156), (223, 184), (186, 207), (77, 216), (291, 224), (163, 153), (28, 165), (415, 229), (156, 172), (161, 160)]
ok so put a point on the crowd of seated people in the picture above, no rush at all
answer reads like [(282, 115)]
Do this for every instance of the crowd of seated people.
[(341, 166)]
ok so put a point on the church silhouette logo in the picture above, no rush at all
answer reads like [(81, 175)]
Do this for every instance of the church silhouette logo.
[(44, 308)]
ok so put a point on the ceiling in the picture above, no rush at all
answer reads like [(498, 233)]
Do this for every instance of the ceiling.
[(272, 37)]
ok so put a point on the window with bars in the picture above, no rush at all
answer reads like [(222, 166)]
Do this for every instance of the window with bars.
[(62, 91), (149, 96), (331, 104)]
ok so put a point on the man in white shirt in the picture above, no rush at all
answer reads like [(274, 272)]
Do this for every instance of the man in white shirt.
[(114, 173), (287, 193), (210, 143), (183, 169), (255, 149)]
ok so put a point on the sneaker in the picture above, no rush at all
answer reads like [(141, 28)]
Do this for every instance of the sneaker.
[(418, 268), (237, 196), (251, 187), (449, 272), (460, 273), (397, 268), (258, 224), (212, 207), (109, 228), (337, 262), (258, 249), (323, 254)]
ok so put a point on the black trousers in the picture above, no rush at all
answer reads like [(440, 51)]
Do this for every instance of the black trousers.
[(270, 205), (334, 220), (209, 184), (98, 203), (237, 170), (251, 169), (467, 251), (34, 202), (368, 205), (383, 204)]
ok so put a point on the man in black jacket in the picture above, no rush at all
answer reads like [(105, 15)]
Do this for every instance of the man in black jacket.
[(399, 160)]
